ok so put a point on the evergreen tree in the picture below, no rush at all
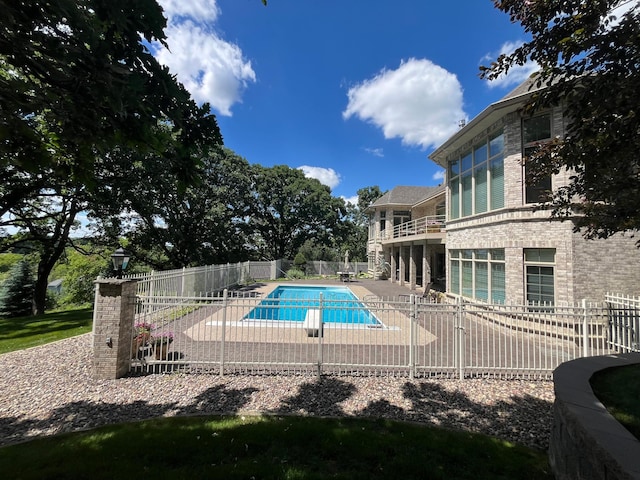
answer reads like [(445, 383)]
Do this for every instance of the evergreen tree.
[(16, 294)]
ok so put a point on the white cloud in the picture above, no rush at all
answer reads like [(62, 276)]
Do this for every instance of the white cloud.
[(212, 69), (419, 102), (352, 200), (204, 10), (326, 176), (438, 176), (376, 152), (622, 8), (517, 74)]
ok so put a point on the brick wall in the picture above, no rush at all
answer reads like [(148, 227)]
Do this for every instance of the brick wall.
[(606, 265), (113, 327)]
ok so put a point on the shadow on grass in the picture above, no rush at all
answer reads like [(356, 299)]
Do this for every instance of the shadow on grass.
[(525, 420)]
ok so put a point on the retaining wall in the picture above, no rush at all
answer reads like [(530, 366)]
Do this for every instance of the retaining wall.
[(587, 443)]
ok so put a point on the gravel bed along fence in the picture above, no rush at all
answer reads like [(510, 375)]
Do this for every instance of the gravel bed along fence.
[(50, 389)]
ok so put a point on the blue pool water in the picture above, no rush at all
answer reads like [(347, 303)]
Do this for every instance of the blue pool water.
[(292, 303)]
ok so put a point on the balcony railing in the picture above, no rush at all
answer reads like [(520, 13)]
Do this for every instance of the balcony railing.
[(433, 224)]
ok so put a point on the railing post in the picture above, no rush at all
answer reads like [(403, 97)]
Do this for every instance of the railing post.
[(459, 338), (320, 336), (224, 330), (585, 329), (412, 339)]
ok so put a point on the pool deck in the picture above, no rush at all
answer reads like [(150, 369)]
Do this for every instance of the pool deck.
[(395, 331)]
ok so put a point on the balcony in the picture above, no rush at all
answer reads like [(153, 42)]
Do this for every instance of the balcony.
[(425, 228)]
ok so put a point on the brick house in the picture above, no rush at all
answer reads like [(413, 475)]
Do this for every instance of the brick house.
[(406, 235), (499, 246)]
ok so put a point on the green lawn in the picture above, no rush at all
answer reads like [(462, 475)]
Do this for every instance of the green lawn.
[(24, 332), (619, 390), (271, 448)]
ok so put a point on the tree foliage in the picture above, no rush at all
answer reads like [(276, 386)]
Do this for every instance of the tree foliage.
[(16, 294), (287, 209), (79, 85), (589, 63), (169, 227), (354, 227), (76, 79)]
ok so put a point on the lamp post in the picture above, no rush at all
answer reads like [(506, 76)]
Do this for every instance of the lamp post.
[(120, 259)]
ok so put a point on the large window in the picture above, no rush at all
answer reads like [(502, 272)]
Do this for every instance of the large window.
[(539, 282), (476, 179), (535, 131), (401, 216), (478, 274)]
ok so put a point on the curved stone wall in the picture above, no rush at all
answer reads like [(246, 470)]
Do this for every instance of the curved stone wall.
[(587, 443)]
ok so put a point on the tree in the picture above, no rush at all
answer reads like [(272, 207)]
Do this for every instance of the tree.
[(78, 268), (355, 224), (287, 209), (76, 79), (368, 195), (589, 63), (16, 294), (168, 227), (77, 83)]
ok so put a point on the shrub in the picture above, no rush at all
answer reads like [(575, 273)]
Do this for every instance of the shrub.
[(16, 294), (295, 273), (300, 262)]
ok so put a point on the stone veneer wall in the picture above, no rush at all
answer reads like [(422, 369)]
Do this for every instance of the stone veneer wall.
[(586, 442)]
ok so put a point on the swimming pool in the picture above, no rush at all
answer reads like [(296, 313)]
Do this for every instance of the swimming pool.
[(296, 303)]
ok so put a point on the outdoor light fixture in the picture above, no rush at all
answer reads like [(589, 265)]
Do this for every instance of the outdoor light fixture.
[(120, 259)]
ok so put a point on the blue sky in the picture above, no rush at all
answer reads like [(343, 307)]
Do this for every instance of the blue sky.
[(355, 92)]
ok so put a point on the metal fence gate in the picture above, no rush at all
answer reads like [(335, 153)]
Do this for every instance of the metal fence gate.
[(405, 336)]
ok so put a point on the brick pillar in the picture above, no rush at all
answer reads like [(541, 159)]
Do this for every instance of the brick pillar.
[(114, 313)]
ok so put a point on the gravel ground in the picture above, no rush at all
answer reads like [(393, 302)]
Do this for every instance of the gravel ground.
[(50, 389)]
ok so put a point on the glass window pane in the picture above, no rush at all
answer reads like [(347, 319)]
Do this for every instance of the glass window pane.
[(454, 168), (497, 183), (480, 174), (537, 128), (454, 253), (482, 281), (467, 279), (466, 162), (539, 286), (467, 199), (497, 254), (498, 294), (496, 144), (467, 253), (539, 192), (455, 276), (546, 255), (482, 254), (454, 204), (480, 154)]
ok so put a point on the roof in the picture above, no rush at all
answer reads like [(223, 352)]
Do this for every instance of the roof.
[(406, 195)]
